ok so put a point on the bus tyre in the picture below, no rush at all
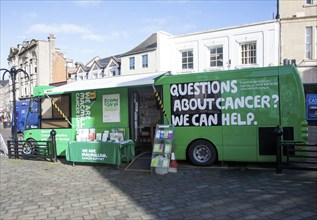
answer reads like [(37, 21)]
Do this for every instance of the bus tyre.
[(202, 153), (28, 148)]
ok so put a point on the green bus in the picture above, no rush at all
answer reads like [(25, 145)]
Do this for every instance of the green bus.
[(217, 116)]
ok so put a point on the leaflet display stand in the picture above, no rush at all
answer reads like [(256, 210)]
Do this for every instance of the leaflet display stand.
[(162, 148)]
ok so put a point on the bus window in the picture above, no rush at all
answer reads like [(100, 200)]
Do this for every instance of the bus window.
[(51, 116)]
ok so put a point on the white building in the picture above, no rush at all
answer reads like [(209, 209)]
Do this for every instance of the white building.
[(252, 45)]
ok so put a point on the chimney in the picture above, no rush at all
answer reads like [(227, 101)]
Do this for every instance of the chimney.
[(51, 40)]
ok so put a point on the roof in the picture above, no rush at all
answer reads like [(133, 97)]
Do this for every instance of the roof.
[(149, 44), (104, 62), (85, 68), (108, 82)]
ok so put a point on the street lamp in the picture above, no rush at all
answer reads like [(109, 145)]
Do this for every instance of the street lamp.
[(13, 72)]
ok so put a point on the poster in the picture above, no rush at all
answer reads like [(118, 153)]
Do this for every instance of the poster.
[(221, 103), (83, 103), (111, 108)]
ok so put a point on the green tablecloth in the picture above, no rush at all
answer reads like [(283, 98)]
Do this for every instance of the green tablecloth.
[(100, 152)]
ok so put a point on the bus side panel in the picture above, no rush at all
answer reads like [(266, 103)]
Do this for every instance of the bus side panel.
[(293, 103), (255, 105), (247, 104), (89, 113), (239, 146), (63, 136), (184, 136), (86, 112)]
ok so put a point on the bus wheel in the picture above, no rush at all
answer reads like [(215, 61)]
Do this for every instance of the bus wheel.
[(30, 147), (202, 153)]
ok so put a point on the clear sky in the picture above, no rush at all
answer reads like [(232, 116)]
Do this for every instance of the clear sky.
[(85, 29)]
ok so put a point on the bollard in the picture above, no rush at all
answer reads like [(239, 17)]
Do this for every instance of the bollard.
[(278, 133), (53, 134), (9, 149)]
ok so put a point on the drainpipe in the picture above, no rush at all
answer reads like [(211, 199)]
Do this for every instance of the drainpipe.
[(280, 42), (277, 9), (229, 55), (280, 31)]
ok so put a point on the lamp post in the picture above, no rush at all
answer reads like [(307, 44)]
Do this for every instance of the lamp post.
[(13, 72)]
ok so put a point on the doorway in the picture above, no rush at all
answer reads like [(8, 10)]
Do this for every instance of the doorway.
[(144, 115)]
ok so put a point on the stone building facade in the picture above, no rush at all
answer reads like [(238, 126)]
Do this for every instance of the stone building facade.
[(298, 36), (44, 63)]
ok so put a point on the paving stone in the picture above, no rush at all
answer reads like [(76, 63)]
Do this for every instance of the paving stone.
[(308, 214), (40, 217), (88, 191)]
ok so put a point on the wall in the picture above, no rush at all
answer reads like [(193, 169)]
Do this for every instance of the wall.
[(43, 64), (265, 34), (59, 67), (296, 8), (152, 63), (295, 17)]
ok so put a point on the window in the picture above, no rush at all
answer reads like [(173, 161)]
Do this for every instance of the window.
[(309, 38), (248, 53), (309, 2), (81, 77), (216, 56), (187, 59), (132, 63), (51, 116), (145, 62)]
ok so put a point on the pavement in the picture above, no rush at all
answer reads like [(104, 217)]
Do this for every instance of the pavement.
[(32, 189), (47, 190)]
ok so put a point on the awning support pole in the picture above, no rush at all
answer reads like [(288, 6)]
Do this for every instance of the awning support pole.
[(59, 110), (160, 103)]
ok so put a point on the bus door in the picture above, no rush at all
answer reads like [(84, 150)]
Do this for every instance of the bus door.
[(145, 114)]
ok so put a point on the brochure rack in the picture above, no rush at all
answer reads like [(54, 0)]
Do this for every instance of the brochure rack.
[(162, 147)]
